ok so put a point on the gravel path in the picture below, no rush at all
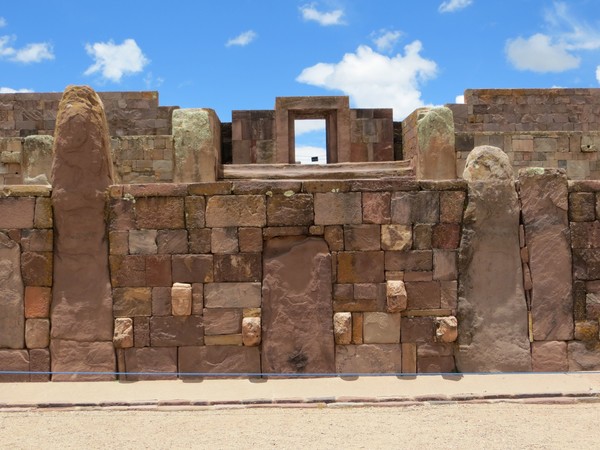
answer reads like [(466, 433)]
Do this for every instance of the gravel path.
[(427, 426)]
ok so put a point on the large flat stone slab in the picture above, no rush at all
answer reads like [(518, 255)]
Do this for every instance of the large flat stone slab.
[(218, 359)]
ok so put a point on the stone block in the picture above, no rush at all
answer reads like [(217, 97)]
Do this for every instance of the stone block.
[(39, 361), (250, 240), (172, 241), (239, 267), (158, 270), (396, 298), (586, 330), (127, 270), (445, 236), (153, 363), (415, 207), (224, 339), (446, 329), (37, 302), (123, 332), (131, 302), (195, 216), (222, 321), (445, 265), (423, 295), (592, 306), (37, 240), (287, 210), (362, 237), (368, 358), (43, 213), (37, 333), (416, 260), (435, 364), (582, 207), (142, 242), (197, 298), (357, 327), (381, 328), (360, 267), (436, 154), (417, 329), (236, 211), (141, 331), (181, 299), (192, 268), (14, 361), (583, 356), (121, 214), (338, 208), (232, 295), (16, 212), (342, 328), (159, 213), (396, 237), (409, 358), (199, 240), (161, 301), (422, 235), (196, 361), (36, 268), (176, 331), (452, 204), (251, 331), (376, 207), (76, 356), (549, 356), (118, 242), (334, 236), (224, 240)]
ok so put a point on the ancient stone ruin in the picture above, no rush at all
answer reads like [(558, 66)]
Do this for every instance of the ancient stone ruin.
[(139, 241)]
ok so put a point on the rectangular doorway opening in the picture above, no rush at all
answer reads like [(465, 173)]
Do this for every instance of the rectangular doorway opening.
[(310, 137)]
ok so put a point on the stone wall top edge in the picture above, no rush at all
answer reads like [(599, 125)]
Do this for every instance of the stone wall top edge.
[(584, 185), (26, 190), (532, 91), (535, 133)]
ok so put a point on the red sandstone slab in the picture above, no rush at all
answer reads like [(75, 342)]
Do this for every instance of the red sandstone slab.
[(218, 359)]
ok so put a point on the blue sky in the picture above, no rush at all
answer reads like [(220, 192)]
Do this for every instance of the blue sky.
[(241, 54)]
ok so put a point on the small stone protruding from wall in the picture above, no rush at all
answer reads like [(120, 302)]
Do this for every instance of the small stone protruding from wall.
[(446, 329), (37, 159), (123, 335), (251, 331), (342, 328), (181, 299), (436, 157), (396, 299), (197, 145)]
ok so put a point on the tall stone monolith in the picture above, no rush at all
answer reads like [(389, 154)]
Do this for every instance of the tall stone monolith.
[(436, 155), (81, 311), (492, 311), (12, 317)]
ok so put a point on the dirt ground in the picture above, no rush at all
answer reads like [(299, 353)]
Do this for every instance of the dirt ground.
[(427, 426)]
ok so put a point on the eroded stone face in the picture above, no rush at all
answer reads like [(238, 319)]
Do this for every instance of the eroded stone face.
[(12, 308), (436, 145)]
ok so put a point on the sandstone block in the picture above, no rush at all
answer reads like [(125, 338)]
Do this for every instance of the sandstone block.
[(435, 364), (141, 331), (296, 209), (16, 212), (342, 328), (338, 208), (381, 328), (446, 329), (195, 216), (142, 242), (250, 240), (74, 356), (161, 301), (43, 213), (583, 356), (222, 321), (199, 240), (14, 361), (232, 295), (123, 333), (357, 327), (360, 267), (192, 268), (224, 240), (415, 207), (423, 294), (445, 236), (176, 331), (582, 206), (236, 211), (181, 299), (549, 356), (36, 240), (592, 306), (376, 207), (409, 358), (396, 298), (158, 270), (36, 268), (239, 267), (415, 260), (131, 302), (251, 331), (172, 241), (118, 242), (586, 330), (127, 270), (12, 322), (37, 333), (452, 204), (224, 339), (37, 159), (37, 302), (196, 361), (362, 237), (417, 329), (396, 237), (368, 358), (159, 212), (436, 157), (334, 236), (39, 361), (155, 363), (444, 265)]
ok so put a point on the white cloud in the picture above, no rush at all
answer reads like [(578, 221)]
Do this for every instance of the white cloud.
[(31, 53), (540, 54), (460, 99), (598, 74), (242, 39), (304, 154), (114, 61), (386, 40), (308, 126), (453, 5), (3, 22), (7, 90), (373, 80), (310, 12), (556, 50)]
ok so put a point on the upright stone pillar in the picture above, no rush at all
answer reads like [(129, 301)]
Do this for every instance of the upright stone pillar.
[(37, 159), (197, 145), (545, 199), (436, 155), (12, 309), (492, 311), (81, 311)]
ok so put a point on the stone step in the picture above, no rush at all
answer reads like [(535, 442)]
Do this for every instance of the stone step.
[(338, 171)]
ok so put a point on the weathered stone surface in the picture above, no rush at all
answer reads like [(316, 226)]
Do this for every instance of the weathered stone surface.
[(218, 359), (492, 313), (35, 240), (222, 321), (396, 237), (37, 333), (342, 328), (43, 213), (74, 356), (195, 215), (12, 309), (586, 330), (416, 260), (452, 204), (159, 213), (16, 212), (37, 302), (368, 358), (36, 159), (409, 358), (224, 240), (127, 270), (118, 242), (251, 331), (141, 331), (142, 242), (290, 209), (296, 307), (232, 295), (250, 240), (224, 339), (417, 329), (39, 361), (582, 206), (81, 311), (544, 200), (436, 157), (338, 208), (445, 236), (172, 241), (158, 270), (239, 267), (123, 333), (196, 144), (592, 306), (376, 207), (14, 361), (192, 268), (583, 356), (151, 361), (415, 207), (176, 331), (36, 268), (334, 236), (362, 237), (360, 267), (423, 294), (446, 329), (199, 240), (381, 328), (132, 302), (396, 298), (444, 265), (549, 356), (236, 211), (181, 299), (449, 294)]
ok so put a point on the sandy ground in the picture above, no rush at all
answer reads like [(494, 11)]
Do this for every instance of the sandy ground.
[(427, 426)]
